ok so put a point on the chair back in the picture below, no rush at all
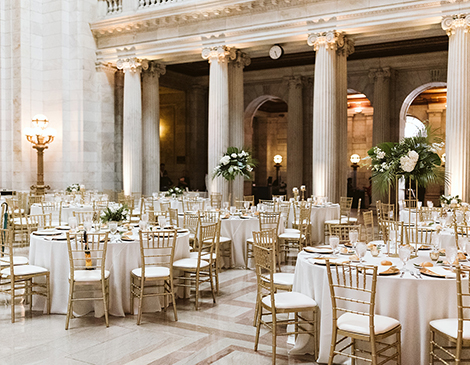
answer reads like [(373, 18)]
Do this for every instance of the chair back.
[(206, 242), (269, 205), (173, 215), (191, 222), (345, 204), (463, 300), (39, 221), (55, 208), (265, 265), (416, 235), (250, 198), (368, 220), (267, 238), (342, 231), (280, 197), (87, 251), (191, 205), (284, 209), (83, 217), (352, 290), (216, 200), (157, 248), (35, 199), (164, 206), (128, 200), (385, 211), (6, 248), (269, 220)]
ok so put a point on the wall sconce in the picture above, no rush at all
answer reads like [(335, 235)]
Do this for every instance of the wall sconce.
[(40, 136)]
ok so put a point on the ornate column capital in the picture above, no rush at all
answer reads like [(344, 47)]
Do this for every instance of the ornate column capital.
[(331, 40), (295, 82), (105, 67), (132, 64), (156, 69), (375, 73), (241, 59), (347, 48), (451, 23), (219, 53)]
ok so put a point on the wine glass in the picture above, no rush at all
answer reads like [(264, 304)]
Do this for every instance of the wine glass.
[(246, 205), (73, 223), (334, 243), (451, 254), (226, 205), (145, 217), (113, 228), (404, 252), (361, 249), (87, 225), (353, 236), (430, 204)]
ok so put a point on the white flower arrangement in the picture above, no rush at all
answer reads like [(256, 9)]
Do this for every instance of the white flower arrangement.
[(74, 188), (234, 162), (174, 190)]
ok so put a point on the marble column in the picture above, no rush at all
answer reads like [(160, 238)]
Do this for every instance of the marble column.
[(218, 128), (132, 125), (458, 105), (236, 111), (381, 104), (325, 146), (342, 113), (151, 128), (294, 158)]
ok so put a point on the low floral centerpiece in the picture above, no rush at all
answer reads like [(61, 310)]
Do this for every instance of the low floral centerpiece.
[(115, 215), (74, 188), (234, 162), (174, 190), (449, 199), (414, 158)]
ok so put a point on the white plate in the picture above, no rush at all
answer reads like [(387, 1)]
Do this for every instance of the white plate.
[(325, 249), (440, 271), (47, 232), (333, 260), (63, 228)]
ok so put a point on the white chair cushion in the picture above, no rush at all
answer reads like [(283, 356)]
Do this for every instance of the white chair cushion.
[(291, 230), (250, 240), (193, 255), (153, 272), (17, 260), (289, 300), (89, 275), (360, 324), (282, 278), (352, 219), (289, 235), (25, 270), (336, 221), (224, 239), (449, 327), (189, 263)]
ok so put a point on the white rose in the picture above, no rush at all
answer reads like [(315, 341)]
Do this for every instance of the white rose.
[(225, 160), (413, 155), (230, 169), (381, 154), (234, 155), (249, 168)]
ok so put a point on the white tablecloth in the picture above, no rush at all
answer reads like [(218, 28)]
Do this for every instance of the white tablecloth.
[(178, 204), (319, 215), (67, 211), (414, 302), (121, 258)]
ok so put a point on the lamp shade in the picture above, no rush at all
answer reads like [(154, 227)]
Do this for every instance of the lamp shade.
[(355, 158), (277, 159), (40, 120)]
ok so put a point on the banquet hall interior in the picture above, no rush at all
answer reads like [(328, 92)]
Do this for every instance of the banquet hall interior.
[(263, 146)]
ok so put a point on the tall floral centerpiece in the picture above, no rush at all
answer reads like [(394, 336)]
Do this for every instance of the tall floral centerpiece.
[(235, 162)]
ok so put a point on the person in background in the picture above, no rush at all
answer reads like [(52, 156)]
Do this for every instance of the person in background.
[(165, 181)]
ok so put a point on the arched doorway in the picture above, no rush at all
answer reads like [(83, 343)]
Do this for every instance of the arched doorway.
[(426, 106), (266, 135)]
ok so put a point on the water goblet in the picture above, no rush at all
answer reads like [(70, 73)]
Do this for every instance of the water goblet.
[(353, 236), (87, 225), (404, 252), (73, 223), (361, 249), (451, 254), (430, 204), (145, 217), (246, 205), (113, 228), (334, 243), (225, 205)]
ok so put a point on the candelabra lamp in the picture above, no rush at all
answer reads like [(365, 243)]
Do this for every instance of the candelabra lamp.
[(40, 136), (355, 159)]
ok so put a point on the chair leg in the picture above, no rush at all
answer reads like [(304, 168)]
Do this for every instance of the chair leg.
[(431, 348), (141, 299), (131, 303), (353, 351), (105, 301), (69, 305), (48, 293), (173, 298), (12, 300), (274, 334), (399, 348), (258, 326), (257, 305), (333, 345), (212, 283), (197, 291)]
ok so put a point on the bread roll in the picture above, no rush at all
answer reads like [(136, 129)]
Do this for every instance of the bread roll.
[(461, 256), (426, 264), (386, 263)]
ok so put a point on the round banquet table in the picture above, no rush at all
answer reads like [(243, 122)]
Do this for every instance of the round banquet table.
[(67, 211), (121, 258), (320, 214), (178, 204), (414, 302)]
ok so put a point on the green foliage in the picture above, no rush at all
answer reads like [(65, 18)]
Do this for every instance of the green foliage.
[(116, 215), (233, 163)]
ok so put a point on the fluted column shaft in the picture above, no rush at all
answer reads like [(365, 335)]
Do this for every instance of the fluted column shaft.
[(343, 52), (294, 134), (218, 129), (325, 167), (236, 110), (458, 105), (151, 128), (381, 126), (132, 126)]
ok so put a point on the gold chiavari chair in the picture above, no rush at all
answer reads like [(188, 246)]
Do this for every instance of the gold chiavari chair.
[(83, 217), (17, 279), (34, 199), (157, 251), (18, 224), (54, 208), (239, 204), (292, 240), (39, 221), (191, 223), (280, 197), (368, 231), (164, 206), (267, 221), (199, 270), (453, 331), (216, 200), (100, 204), (352, 291), (87, 259), (250, 198), (416, 235), (282, 280), (191, 205), (303, 308), (385, 211), (342, 231), (173, 216), (269, 205), (284, 209), (345, 205)]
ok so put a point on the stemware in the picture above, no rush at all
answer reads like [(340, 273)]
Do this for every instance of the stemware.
[(246, 205), (145, 217), (334, 243), (113, 228), (73, 223), (430, 204), (451, 254), (225, 205), (353, 236), (404, 253), (87, 225), (361, 249)]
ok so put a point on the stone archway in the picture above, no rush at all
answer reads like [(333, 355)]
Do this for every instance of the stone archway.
[(409, 100)]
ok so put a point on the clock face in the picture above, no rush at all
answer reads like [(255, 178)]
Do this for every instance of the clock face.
[(275, 52)]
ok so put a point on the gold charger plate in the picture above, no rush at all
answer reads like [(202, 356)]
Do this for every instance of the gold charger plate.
[(391, 270)]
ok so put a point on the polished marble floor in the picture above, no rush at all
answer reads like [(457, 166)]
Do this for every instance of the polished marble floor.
[(219, 333)]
